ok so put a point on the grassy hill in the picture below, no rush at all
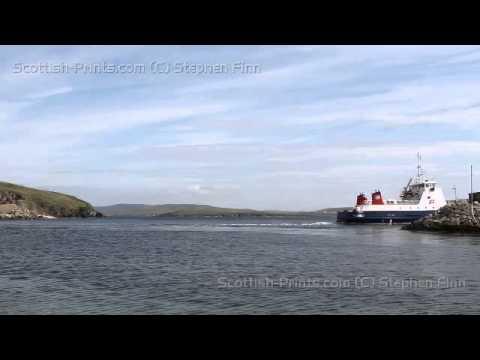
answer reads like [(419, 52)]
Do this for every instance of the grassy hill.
[(334, 210), (43, 202), (192, 210)]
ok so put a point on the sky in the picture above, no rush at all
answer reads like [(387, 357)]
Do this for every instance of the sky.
[(261, 127)]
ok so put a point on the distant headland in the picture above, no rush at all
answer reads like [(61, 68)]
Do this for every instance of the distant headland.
[(194, 210), (20, 202)]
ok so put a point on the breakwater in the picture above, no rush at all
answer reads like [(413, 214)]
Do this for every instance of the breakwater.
[(456, 217)]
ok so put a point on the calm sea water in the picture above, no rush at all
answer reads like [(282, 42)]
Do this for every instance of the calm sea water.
[(231, 266)]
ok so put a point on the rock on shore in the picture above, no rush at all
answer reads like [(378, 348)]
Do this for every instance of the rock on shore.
[(13, 211), (454, 217)]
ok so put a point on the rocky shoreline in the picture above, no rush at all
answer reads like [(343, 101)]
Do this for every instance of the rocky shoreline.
[(455, 217), (21, 213), (14, 212)]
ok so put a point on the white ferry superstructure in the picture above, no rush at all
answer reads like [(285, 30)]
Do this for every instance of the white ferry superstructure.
[(421, 196)]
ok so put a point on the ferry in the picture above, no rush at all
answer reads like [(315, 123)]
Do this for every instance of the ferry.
[(420, 197)]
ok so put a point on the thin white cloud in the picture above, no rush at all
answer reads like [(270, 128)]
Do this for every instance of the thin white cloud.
[(92, 123), (381, 152), (50, 92)]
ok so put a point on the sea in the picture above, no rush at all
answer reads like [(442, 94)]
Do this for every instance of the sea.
[(233, 266)]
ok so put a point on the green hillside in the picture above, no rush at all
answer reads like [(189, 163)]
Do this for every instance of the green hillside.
[(45, 202), (191, 210)]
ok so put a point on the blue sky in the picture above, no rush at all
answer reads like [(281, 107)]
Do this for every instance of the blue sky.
[(311, 127)]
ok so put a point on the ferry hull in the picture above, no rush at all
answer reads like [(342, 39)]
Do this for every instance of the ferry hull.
[(352, 216)]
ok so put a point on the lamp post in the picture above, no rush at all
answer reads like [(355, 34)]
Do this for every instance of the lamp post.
[(471, 186), (471, 194)]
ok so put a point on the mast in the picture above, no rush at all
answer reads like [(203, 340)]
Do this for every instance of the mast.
[(420, 172), (419, 166)]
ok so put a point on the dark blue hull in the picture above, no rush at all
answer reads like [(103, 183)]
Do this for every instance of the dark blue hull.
[(386, 217)]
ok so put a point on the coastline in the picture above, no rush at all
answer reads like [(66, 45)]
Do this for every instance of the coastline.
[(19, 202)]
